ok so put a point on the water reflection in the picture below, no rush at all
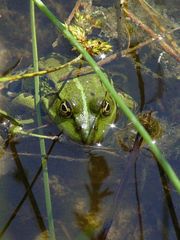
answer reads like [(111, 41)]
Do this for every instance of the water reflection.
[(168, 203), (90, 220), (94, 217), (21, 176)]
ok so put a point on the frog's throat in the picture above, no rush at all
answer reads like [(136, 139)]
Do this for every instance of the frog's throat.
[(85, 117)]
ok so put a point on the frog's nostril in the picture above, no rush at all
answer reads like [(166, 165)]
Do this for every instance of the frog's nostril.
[(95, 128), (78, 128)]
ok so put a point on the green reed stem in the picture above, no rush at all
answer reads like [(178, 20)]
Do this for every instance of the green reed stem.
[(39, 121), (161, 159)]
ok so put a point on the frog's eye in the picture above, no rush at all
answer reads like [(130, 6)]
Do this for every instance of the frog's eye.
[(105, 108), (65, 109)]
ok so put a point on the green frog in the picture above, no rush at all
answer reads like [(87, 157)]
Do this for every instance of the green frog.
[(80, 106)]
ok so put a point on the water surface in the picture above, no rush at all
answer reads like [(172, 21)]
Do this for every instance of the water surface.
[(84, 180)]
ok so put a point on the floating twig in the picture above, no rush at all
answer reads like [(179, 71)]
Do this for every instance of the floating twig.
[(73, 12), (160, 37), (155, 17)]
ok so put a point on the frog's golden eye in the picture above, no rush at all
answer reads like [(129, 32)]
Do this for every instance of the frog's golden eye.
[(65, 109), (105, 108)]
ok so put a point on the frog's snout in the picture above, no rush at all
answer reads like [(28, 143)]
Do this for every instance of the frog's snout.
[(85, 135), (86, 131)]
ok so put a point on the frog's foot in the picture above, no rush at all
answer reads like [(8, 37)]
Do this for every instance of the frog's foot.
[(25, 100)]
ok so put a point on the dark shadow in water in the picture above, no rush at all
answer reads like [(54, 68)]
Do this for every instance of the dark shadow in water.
[(140, 80), (133, 157), (122, 186), (119, 14), (142, 104), (21, 174), (139, 211), (11, 68), (169, 202), (159, 89), (156, 97), (160, 85), (28, 190), (98, 171)]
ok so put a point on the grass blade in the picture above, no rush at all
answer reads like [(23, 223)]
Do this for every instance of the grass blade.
[(39, 121)]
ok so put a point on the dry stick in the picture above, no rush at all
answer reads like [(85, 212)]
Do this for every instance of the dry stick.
[(146, 42), (155, 19), (139, 46), (127, 51), (162, 42), (110, 58), (158, 15), (76, 7), (69, 19)]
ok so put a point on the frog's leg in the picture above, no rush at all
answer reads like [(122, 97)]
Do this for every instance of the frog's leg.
[(24, 100)]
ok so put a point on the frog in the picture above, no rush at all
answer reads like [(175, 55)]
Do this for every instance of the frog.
[(79, 106)]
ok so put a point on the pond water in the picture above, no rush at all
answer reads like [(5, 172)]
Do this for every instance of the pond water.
[(98, 192)]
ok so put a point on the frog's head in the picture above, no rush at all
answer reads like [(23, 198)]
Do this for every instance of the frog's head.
[(82, 108)]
